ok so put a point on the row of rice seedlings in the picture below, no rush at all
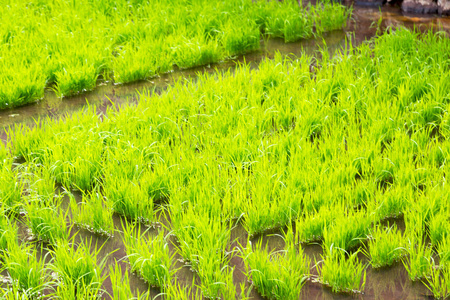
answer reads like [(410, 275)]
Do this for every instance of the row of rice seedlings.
[(138, 40), (278, 274), (149, 257)]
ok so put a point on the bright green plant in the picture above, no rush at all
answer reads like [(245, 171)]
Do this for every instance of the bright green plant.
[(385, 246), (342, 271), (277, 274), (149, 257), (93, 214)]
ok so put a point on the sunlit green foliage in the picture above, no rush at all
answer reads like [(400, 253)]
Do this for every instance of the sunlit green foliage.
[(335, 147), (69, 45)]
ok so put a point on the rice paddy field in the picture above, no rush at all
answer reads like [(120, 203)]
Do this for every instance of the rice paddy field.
[(316, 176), (68, 46)]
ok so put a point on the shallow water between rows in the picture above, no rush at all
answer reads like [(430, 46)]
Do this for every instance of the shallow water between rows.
[(390, 283)]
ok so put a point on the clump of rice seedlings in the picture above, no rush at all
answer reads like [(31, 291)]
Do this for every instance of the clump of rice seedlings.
[(385, 246), (439, 281), (418, 260), (202, 242), (390, 203), (41, 186), (277, 274), (27, 272), (240, 41), (443, 250), (78, 269), (11, 188), (270, 206), (13, 292), (20, 84), (142, 60), (121, 285), (129, 199), (93, 213), (341, 271), (438, 228), (8, 233), (82, 171), (348, 231), (76, 78), (329, 16), (46, 223), (149, 257), (174, 291), (74, 292), (195, 52), (310, 228)]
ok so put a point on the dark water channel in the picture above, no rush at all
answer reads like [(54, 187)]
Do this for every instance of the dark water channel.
[(391, 283)]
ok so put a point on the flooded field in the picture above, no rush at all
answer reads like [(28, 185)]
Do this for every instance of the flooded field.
[(285, 173)]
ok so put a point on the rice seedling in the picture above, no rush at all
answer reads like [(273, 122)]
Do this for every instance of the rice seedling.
[(78, 269), (418, 261), (438, 282), (11, 188), (341, 271), (8, 233), (121, 284), (28, 273), (438, 228), (149, 258), (310, 228), (129, 199), (277, 274), (385, 246), (174, 291), (93, 214), (348, 230), (46, 223), (202, 242)]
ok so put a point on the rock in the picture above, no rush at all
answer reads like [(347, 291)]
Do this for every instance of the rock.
[(370, 3), (444, 7), (420, 6)]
